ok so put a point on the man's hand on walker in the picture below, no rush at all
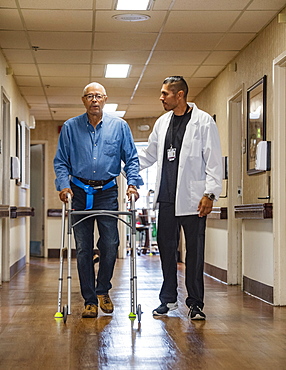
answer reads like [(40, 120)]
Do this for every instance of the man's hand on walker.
[(63, 194), (132, 190)]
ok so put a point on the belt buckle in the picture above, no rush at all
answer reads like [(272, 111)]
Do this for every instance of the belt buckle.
[(97, 187)]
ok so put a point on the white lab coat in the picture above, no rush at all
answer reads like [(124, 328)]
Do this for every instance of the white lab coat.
[(200, 161)]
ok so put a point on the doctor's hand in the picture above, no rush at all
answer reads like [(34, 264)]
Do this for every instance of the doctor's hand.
[(63, 194), (205, 206)]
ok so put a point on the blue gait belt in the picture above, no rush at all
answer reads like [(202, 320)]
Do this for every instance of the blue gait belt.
[(91, 190)]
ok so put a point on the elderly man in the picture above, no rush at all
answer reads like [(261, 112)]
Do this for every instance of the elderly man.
[(88, 160)]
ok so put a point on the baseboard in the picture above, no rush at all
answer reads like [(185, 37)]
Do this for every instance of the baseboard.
[(258, 289), (216, 272), (17, 266)]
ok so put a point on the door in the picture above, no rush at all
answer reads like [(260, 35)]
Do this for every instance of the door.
[(37, 181)]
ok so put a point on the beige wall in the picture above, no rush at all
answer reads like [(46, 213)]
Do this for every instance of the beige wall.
[(15, 247), (253, 63)]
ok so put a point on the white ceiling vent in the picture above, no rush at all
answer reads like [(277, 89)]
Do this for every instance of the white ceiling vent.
[(131, 17)]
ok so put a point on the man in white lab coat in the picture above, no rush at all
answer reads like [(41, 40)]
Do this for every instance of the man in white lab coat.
[(185, 143)]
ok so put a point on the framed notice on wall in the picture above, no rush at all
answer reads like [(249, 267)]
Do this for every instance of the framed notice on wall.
[(256, 121)]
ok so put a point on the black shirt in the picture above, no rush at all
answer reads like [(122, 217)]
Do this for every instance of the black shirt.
[(174, 138)]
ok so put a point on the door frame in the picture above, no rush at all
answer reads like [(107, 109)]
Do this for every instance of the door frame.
[(279, 178), (235, 152), (5, 239), (44, 143)]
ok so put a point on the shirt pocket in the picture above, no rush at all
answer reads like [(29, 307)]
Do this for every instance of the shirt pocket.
[(110, 147)]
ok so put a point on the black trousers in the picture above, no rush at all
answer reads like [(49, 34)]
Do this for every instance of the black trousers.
[(168, 237)]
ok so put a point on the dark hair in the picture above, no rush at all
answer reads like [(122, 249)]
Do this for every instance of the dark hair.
[(177, 83)]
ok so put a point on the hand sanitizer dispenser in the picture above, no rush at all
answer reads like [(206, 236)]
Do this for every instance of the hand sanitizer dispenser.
[(263, 155)]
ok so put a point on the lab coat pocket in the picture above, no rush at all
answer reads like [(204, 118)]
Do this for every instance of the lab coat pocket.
[(110, 147)]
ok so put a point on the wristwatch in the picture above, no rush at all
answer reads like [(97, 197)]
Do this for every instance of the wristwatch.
[(211, 196)]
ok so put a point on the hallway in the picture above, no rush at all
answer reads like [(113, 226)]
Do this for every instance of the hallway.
[(240, 332)]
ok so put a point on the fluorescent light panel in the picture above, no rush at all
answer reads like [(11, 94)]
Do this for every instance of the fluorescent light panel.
[(133, 4), (117, 70), (110, 108)]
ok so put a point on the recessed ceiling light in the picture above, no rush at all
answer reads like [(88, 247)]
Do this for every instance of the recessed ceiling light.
[(133, 5), (117, 70)]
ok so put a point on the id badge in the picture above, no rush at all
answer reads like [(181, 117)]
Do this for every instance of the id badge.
[(171, 154)]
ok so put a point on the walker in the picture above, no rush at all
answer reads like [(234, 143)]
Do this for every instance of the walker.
[(63, 312)]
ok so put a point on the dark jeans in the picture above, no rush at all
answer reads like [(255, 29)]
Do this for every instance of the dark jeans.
[(107, 243), (168, 240)]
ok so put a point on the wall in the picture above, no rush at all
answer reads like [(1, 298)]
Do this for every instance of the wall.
[(252, 63), (18, 239)]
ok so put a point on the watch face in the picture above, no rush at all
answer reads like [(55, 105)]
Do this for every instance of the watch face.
[(211, 196)]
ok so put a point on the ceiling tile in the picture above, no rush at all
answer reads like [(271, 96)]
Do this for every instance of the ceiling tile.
[(55, 4), (196, 21), (210, 4), (61, 70), (162, 4), (220, 57), (208, 71), (32, 91), (18, 56), (63, 91), (63, 56), (14, 39), (163, 71), (54, 20), (124, 41), (63, 99), (234, 41), (253, 21), (25, 69), (267, 5), (171, 57), (199, 81), (68, 81), (61, 40), (117, 82), (97, 70), (35, 99), (104, 4), (125, 57), (8, 4), (27, 81), (10, 19), (188, 41)]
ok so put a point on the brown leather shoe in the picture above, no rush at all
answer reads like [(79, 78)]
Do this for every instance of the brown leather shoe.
[(105, 303), (90, 311)]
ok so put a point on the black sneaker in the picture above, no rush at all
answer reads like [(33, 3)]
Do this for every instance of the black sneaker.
[(196, 313), (164, 308)]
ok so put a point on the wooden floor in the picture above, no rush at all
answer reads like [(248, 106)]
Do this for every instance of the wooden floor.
[(240, 332)]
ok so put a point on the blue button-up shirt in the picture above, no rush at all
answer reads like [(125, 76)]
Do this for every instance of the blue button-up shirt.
[(95, 153)]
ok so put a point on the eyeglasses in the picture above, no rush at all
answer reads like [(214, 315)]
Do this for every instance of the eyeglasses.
[(90, 97)]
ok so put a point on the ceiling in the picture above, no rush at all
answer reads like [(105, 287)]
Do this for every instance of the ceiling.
[(55, 48)]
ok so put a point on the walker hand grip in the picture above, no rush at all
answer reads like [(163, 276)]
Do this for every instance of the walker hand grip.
[(132, 202), (69, 200)]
